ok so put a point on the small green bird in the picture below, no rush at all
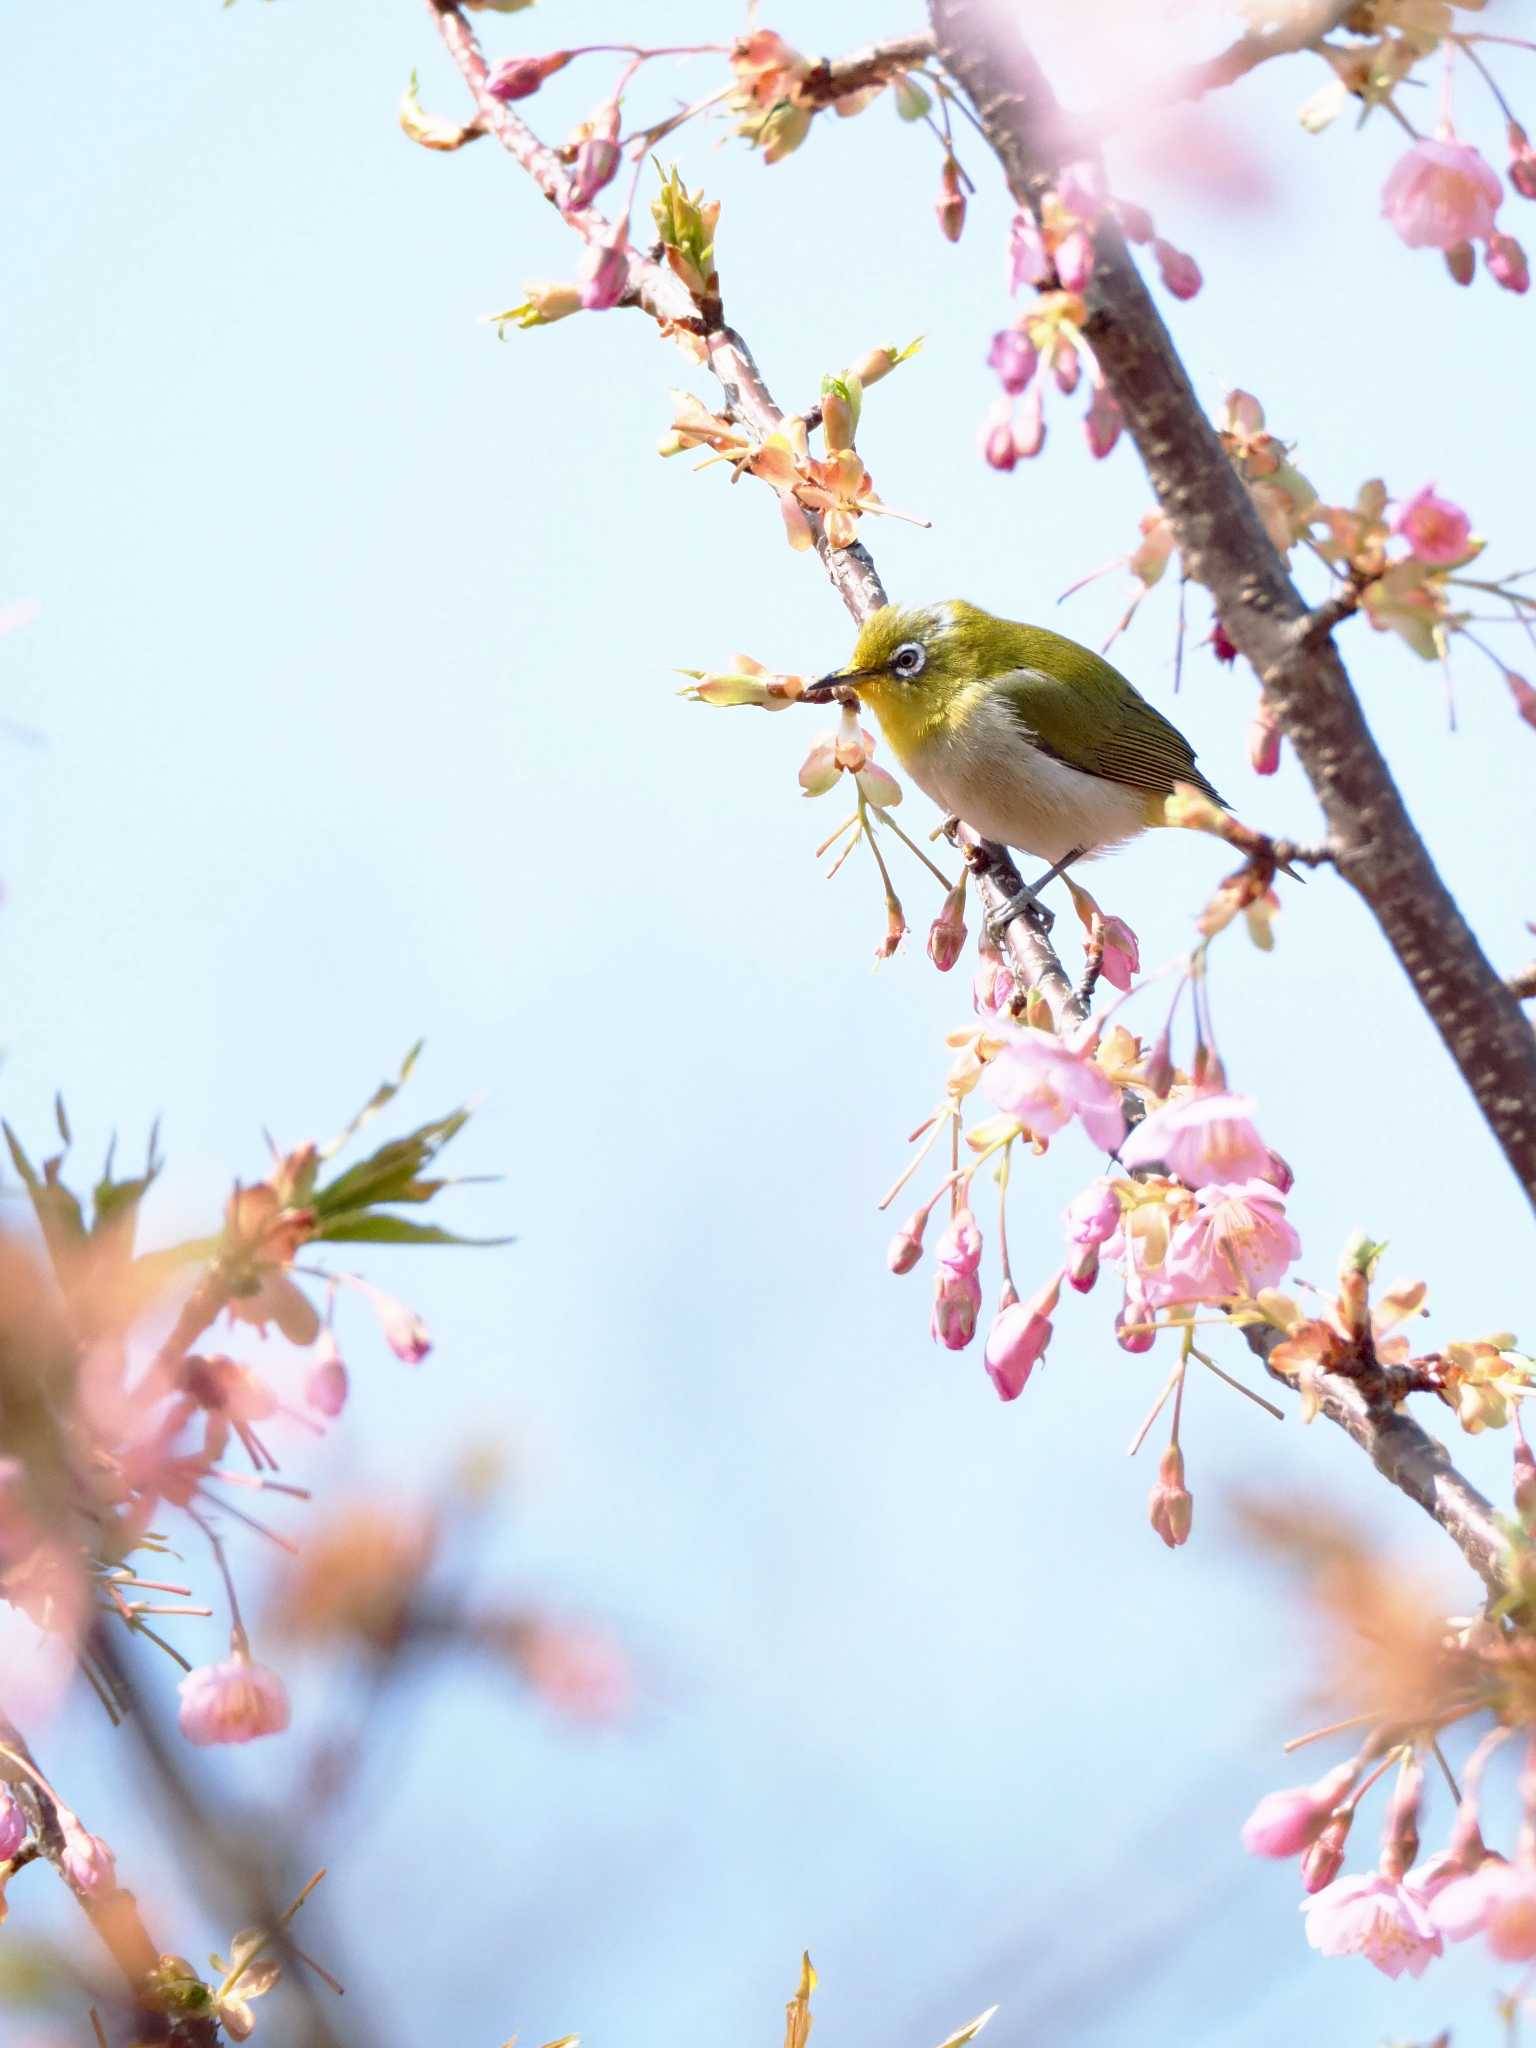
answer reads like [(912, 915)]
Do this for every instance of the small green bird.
[(1030, 739)]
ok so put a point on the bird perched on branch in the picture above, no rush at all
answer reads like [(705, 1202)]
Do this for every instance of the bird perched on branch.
[(1033, 741)]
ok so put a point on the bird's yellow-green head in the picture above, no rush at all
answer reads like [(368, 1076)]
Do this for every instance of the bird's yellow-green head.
[(916, 665)]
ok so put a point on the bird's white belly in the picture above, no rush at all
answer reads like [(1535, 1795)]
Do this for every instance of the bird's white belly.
[(993, 779)]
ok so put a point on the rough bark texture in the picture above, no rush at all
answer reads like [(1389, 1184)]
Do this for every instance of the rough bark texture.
[(1376, 847)]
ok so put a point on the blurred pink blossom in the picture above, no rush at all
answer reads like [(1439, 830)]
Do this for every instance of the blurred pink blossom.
[(235, 1701), (1439, 194), (1371, 1916), (1045, 1085)]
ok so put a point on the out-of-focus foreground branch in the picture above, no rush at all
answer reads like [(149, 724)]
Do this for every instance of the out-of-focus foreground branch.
[(1375, 844), (748, 399)]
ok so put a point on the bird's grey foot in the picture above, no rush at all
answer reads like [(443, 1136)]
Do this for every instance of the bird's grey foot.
[(1025, 904), (1066, 861)]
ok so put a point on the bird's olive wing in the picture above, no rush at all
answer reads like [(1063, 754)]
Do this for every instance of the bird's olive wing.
[(1092, 719)]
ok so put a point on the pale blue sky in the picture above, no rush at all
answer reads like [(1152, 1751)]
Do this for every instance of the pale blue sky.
[(355, 694)]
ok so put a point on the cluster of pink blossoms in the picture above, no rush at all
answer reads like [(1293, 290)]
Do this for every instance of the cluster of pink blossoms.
[(1055, 255), (1444, 194), (1400, 1915)]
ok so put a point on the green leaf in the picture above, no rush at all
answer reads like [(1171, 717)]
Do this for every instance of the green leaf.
[(371, 1226), (385, 1092), (395, 1165)]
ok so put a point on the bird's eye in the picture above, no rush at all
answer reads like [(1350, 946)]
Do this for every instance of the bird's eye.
[(908, 660)]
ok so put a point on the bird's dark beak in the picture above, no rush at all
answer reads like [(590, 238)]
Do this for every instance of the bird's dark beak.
[(825, 691)]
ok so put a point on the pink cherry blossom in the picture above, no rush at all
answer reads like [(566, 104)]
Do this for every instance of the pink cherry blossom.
[(906, 1247), (1237, 1241), (603, 275), (1371, 1916), (1094, 1215), (1122, 953), (1202, 1137), (960, 1246), (1012, 355), (87, 1862), (1080, 189), (996, 437), (1440, 194), (956, 1305), (517, 77), (1284, 1823), (1028, 260), (1507, 265), (1179, 271), (1040, 1081), (1102, 422), (1498, 1899), (1029, 423), (1074, 260), (235, 1701), (1433, 527), (1018, 1338)]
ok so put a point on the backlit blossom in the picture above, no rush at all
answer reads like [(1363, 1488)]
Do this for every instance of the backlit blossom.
[(1371, 1916), (1498, 1899), (1441, 193), (1037, 1079), (235, 1701), (1236, 1241), (1202, 1137), (1433, 527)]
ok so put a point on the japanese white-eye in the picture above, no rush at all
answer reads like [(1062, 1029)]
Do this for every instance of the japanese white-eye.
[(1030, 739)]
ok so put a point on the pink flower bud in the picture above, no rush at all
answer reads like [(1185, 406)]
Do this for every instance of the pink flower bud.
[(956, 1305), (404, 1331), (1094, 1215), (1524, 695), (1080, 189), (326, 1387), (235, 1701), (959, 1248), (1325, 1859), (597, 160), (1506, 263), (1278, 1173), (517, 77), (603, 275), (1084, 1270), (1130, 1339), (1221, 644), (1029, 423), (946, 935), (13, 1825), (1285, 1823), (1461, 262), (1179, 272), (1400, 1840), (1102, 423), (906, 1247), (1065, 366), (1264, 740), (1522, 162), (1028, 260), (1017, 1340), (1074, 259), (1135, 221), (87, 1862), (996, 440), (1122, 953), (1013, 356), (1170, 1507)]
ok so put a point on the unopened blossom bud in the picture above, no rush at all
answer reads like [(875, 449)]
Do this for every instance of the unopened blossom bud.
[(325, 1389), (1028, 259), (956, 1305), (404, 1331), (1014, 358), (1080, 188), (1029, 423), (1325, 1859), (1074, 260), (998, 449), (1170, 1506), (895, 930), (1066, 367), (1461, 262), (1264, 740), (1400, 1840), (604, 275), (1179, 271), (518, 77), (598, 158), (1135, 221), (1278, 1173), (1018, 1338), (235, 1701), (946, 935), (1522, 162), (1524, 694), (1506, 263), (87, 1862), (1132, 1330), (1102, 422), (1094, 1215), (853, 746), (1285, 1823), (906, 1247), (1083, 1272), (949, 207), (13, 1825)]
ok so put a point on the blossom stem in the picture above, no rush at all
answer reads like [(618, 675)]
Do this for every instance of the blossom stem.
[(944, 1116), (832, 837), (937, 872), (1333, 1728), (1156, 1409), (1464, 44), (1258, 1399)]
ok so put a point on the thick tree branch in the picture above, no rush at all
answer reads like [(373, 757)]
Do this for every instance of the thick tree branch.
[(1225, 547), (748, 399), (835, 77)]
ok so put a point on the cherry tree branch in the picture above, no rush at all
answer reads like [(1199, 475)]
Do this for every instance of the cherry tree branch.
[(835, 77), (748, 399), (1376, 847)]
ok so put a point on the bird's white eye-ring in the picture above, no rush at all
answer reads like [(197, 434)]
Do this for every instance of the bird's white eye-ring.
[(909, 660)]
